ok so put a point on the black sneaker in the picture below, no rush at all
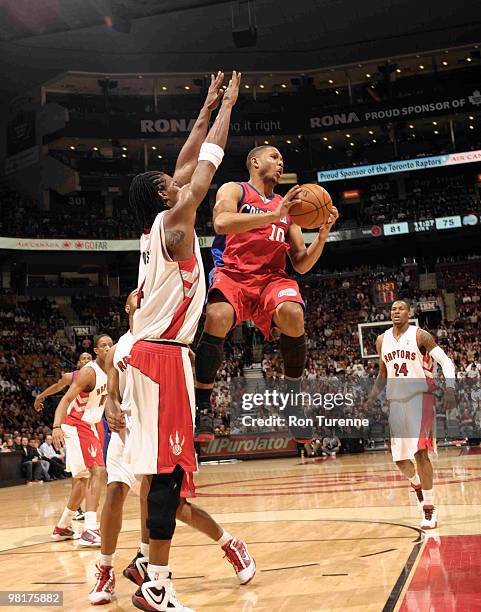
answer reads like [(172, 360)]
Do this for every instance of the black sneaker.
[(205, 430), (136, 570), (79, 515)]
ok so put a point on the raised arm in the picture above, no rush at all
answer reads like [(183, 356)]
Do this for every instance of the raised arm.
[(84, 382), (181, 217), (302, 257), (188, 156), (61, 383), (381, 379), (113, 412)]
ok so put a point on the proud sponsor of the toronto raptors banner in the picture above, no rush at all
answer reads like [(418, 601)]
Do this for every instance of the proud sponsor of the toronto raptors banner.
[(405, 165), (262, 445)]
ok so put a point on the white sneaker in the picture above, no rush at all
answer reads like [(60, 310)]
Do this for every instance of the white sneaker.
[(103, 590), (158, 595), (429, 517), (90, 537), (241, 560)]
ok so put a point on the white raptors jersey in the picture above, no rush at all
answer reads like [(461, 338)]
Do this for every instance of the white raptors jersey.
[(89, 407), (171, 294), (122, 352), (407, 368), (144, 257)]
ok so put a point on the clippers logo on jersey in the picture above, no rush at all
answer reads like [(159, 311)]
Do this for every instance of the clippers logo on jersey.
[(262, 250), (176, 445)]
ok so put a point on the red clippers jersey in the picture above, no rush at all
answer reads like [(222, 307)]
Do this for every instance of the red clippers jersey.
[(259, 251)]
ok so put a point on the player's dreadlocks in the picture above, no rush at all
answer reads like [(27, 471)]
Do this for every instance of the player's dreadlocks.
[(144, 197)]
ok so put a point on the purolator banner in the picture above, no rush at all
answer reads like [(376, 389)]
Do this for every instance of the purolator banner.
[(254, 446)]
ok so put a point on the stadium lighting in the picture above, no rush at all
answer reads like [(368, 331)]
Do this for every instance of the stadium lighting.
[(164, 88), (371, 132), (124, 155), (337, 92), (471, 118), (398, 70), (469, 59), (266, 142), (159, 156), (154, 148), (471, 127), (348, 135), (187, 87), (421, 67), (283, 86), (374, 140), (411, 126), (436, 132), (445, 63), (352, 144), (324, 138), (72, 148), (435, 122), (368, 76), (289, 141), (329, 146), (261, 86), (331, 82), (247, 86), (95, 148), (124, 148)]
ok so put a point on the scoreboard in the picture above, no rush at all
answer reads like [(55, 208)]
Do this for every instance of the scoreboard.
[(385, 292)]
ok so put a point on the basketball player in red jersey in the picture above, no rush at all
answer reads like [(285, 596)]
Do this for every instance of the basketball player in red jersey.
[(406, 355), (254, 233), (121, 479), (170, 302), (75, 427)]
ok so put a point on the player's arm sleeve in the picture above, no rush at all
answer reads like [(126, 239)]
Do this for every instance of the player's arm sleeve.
[(447, 365)]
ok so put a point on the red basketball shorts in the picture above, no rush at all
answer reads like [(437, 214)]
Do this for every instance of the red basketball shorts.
[(255, 297), (82, 448), (163, 409)]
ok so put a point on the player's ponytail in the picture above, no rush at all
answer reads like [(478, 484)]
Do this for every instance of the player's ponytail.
[(144, 197)]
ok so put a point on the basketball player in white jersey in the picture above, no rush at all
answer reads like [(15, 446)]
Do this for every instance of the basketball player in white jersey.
[(65, 381), (121, 479), (170, 302), (75, 426), (406, 355)]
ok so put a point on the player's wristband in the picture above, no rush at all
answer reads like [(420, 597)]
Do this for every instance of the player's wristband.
[(212, 153), (56, 427)]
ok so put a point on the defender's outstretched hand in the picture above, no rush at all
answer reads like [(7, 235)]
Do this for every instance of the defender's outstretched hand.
[(232, 91), (215, 93)]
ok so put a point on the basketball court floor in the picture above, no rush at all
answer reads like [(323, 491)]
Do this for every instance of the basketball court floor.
[(337, 534)]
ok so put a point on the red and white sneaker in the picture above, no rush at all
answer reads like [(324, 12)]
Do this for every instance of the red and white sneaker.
[(418, 491), (242, 561), (158, 595), (136, 570), (429, 517), (103, 590), (90, 537), (64, 533)]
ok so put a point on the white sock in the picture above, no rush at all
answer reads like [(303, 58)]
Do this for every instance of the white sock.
[(415, 480), (91, 520), (224, 538), (66, 518), (107, 560), (144, 550), (158, 572), (428, 497)]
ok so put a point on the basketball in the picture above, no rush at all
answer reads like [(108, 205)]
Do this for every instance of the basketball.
[(314, 208)]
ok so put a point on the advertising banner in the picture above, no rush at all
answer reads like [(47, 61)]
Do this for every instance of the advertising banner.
[(406, 165), (251, 446)]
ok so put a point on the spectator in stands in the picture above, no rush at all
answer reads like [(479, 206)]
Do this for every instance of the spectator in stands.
[(32, 466), (466, 424), (54, 458)]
